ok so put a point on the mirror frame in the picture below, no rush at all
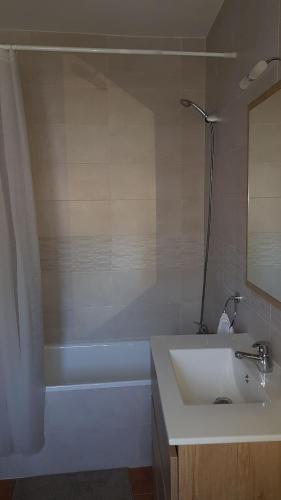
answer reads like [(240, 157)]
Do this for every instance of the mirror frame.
[(268, 93)]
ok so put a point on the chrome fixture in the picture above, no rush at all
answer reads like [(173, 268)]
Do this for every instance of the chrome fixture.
[(236, 299), (224, 400), (263, 359), (210, 120), (256, 71)]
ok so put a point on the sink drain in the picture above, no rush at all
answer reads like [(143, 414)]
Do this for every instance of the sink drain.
[(223, 401)]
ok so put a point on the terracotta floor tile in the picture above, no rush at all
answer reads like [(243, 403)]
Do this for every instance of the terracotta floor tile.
[(6, 489), (141, 481), (146, 496)]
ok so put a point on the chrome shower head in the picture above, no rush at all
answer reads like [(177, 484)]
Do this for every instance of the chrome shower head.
[(208, 118), (185, 102)]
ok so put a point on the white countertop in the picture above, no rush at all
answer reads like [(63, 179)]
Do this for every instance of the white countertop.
[(205, 423)]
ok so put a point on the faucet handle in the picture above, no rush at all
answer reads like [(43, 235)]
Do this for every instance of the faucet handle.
[(263, 346)]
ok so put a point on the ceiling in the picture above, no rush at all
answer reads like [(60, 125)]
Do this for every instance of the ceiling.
[(123, 17)]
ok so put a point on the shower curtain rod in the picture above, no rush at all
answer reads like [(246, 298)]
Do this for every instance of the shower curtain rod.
[(98, 50)]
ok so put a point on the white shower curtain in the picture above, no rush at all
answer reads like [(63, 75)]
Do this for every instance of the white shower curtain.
[(21, 338)]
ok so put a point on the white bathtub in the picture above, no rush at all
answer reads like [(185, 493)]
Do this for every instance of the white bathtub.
[(97, 410), (115, 364)]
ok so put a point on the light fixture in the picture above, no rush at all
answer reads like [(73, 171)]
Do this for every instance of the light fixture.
[(256, 71)]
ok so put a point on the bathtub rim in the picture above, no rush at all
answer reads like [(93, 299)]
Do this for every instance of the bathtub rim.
[(102, 343), (123, 382), (97, 385)]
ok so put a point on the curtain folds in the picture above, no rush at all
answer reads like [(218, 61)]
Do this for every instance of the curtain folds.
[(21, 332)]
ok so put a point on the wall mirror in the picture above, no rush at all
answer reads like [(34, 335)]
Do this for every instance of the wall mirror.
[(264, 194)]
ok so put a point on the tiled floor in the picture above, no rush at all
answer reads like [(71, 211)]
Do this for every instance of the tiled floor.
[(6, 489), (140, 479), (112, 484), (141, 483)]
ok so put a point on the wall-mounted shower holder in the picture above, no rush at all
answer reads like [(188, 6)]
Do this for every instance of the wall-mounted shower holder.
[(235, 299)]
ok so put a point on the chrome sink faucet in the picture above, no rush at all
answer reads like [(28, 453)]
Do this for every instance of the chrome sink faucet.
[(263, 359)]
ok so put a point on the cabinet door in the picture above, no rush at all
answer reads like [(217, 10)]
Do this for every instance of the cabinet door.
[(159, 488), (167, 457), (230, 471), (166, 485), (208, 472)]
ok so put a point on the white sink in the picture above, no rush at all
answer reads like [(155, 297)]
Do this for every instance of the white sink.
[(204, 375), (194, 370)]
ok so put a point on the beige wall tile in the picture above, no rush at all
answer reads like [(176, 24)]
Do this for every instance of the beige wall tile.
[(71, 181), (194, 43), (194, 72), (50, 181), (132, 144), (169, 182), (53, 218), (192, 283), (193, 179), (189, 313), (193, 216), (131, 286), (169, 217), (127, 109), (47, 143), (135, 42), (156, 319), (169, 146), (86, 105), (57, 290), (163, 106), (45, 103), (108, 138), (86, 143), (136, 251), (60, 326), (133, 217), (145, 72), (193, 139), (95, 322), (89, 218), (86, 70), (67, 39), (159, 72), (88, 181), (46, 68), (132, 181), (92, 288), (15, 36)]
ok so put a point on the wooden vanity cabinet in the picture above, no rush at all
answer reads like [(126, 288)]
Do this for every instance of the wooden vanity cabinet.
[(235, 471), (165, 457)]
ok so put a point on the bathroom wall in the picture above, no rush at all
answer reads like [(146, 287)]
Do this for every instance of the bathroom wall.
[(252, 29), (118, 168)]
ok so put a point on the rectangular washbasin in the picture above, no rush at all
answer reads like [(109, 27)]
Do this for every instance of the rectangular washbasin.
[(205, 375)]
